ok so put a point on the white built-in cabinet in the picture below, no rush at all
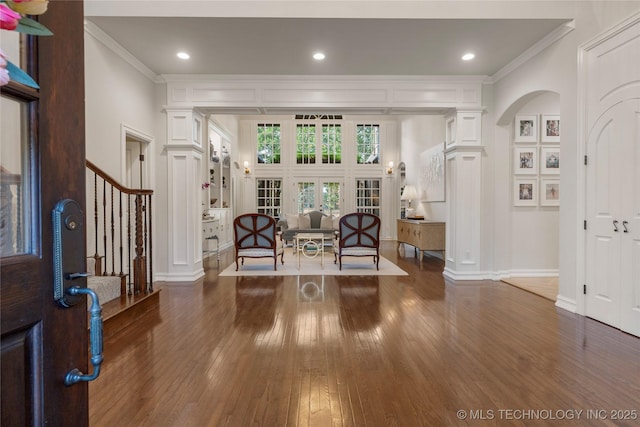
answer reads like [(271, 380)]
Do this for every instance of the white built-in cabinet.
[(219, 194)]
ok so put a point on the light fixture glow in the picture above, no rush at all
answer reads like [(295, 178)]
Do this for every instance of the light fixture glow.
[(318, 56), (183, 55), (247, 171), (468, 56)]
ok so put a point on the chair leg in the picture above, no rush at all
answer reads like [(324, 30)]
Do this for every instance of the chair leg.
[(237, 265)]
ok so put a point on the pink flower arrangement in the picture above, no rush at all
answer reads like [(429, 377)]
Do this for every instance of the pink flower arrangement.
[(8, 18), (205, 185), (12, 19)]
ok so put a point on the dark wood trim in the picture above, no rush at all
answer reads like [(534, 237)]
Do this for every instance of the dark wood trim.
[(115, 183)]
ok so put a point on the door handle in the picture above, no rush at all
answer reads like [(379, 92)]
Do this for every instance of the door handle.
[(95, 338), (624, 224), (615, 225), (68, 260)]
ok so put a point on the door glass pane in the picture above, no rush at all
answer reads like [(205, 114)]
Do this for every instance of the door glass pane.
[(331, 198), (306, 197), (15, 204)]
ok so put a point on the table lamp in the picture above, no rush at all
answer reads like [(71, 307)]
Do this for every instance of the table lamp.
[(410, 193)]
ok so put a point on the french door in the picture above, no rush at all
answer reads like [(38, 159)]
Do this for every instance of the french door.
[(319, 194)]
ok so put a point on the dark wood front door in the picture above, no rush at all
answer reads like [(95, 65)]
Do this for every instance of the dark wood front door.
[(43, 161)]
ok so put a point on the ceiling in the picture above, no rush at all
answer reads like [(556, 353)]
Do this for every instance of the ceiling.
[(283, 46)]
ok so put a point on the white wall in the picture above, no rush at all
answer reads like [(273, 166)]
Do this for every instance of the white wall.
[(555, 69), (534, 230), (115, 94), (417, 134)]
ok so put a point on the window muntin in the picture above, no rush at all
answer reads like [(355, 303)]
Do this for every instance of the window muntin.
[(306, 197), (331, 198), (305, 144), (367, 144), (269, 196), (331, 144), (269, 147), (368, 195)]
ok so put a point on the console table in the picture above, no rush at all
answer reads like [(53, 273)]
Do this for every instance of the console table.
[(423, 235)]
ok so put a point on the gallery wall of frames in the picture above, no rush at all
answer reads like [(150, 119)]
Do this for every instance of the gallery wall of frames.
[(536, 160)]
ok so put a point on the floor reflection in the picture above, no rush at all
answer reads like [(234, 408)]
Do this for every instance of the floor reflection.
[(359, 302), (256, 301), (310, 288)]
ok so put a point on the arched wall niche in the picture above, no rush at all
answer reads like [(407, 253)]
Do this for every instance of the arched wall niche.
[(526, 242)]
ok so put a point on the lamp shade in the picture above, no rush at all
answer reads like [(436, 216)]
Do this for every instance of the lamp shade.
[(409, 193)]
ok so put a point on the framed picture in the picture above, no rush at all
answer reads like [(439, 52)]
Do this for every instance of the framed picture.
[(550, 128), (525, 160), (550, 160), (549, 192), (525, 192), (432, 174), (526, 129)]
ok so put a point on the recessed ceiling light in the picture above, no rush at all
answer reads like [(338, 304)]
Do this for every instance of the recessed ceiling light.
[(468, 56), (318, 56), (183, 55)]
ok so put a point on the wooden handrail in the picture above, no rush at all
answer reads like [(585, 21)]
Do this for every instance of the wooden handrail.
[(109, 226), (115, 183)]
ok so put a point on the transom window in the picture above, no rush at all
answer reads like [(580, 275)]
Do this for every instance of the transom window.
[(368, 144), (305, 143), (331, 144), (269, 145)]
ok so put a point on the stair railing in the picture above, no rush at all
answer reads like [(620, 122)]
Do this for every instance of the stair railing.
[(111, 200)]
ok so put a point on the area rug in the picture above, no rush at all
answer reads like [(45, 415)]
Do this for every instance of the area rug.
[(351, 266)]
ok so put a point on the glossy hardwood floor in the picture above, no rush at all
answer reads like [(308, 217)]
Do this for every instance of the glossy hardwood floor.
[(363, 351)]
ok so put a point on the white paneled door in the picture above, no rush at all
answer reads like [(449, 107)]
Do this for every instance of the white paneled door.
[(613, 218)]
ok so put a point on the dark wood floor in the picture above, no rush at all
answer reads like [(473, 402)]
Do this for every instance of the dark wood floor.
[(363, 351)]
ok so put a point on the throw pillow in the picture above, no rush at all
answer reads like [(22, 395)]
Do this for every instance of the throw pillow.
[(304, 222), (336, 222), (326, 222), (292, 221)]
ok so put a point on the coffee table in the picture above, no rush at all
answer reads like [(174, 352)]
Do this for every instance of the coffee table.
[(310, 245)]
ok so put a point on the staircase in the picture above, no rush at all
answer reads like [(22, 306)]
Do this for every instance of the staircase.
[(106, 287), (121, 237)]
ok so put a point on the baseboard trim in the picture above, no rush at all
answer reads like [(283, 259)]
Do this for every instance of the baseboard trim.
[(566, 304), (179, 277)]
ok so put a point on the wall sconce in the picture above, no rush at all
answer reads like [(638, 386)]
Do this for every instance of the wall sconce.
[(390, 168), (247, 171)]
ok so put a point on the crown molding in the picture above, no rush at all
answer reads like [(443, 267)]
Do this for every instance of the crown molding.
[(541, 45), (94, 31)]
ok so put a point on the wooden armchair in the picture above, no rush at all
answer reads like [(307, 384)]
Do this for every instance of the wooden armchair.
[(255, 237), (359, 236)]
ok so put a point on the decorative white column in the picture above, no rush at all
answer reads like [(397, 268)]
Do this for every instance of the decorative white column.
[(184, 150), (463, 190)]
